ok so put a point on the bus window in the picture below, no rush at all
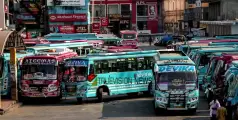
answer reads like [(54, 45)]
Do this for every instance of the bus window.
[(98, 67), (131, 64), (91, 69), (104, 66), (141, 63), (112, 66), (121, 65), (149, 61)]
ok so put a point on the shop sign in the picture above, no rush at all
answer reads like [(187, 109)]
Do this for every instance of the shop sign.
[(152, 11), (81, 28), (124, 21), (68, 17), (104, 21), (39, 61), (25, 17), (115, 16), (96, 31), (140, 2), (66, 29), (66, 3), (95, 26)]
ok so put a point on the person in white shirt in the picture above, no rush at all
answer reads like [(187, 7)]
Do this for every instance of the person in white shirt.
[(214, 105)]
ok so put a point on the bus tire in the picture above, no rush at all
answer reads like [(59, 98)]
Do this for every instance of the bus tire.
[(80, 100), (100, 92), (193, 111)]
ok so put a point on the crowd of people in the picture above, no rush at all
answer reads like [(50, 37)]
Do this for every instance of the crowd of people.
[(220, 109)]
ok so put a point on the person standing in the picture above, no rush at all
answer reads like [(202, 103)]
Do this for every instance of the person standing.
[(213, 109), (150, 40), (209, 94), (222, 113)]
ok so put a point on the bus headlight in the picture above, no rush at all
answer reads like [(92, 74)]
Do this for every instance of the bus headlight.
[(161, 99), (52, 87), (193, 99)]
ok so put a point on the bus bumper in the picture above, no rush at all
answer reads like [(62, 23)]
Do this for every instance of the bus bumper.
[(188, 106)]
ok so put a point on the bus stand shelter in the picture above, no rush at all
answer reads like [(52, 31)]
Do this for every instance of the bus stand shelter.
[(10, 41)]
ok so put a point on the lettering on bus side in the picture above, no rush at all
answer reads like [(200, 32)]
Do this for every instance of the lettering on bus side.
[(143, 78)]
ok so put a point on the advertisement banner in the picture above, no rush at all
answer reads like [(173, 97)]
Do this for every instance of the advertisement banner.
[(81, 28), (66, 29), (95, 26), (152, 11), (68, 17), (65, 2), (104, 22)]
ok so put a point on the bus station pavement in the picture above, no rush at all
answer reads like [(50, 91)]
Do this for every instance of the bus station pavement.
[(114, 108)]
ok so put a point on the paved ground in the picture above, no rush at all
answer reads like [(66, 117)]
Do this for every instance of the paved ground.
[(116, 108)]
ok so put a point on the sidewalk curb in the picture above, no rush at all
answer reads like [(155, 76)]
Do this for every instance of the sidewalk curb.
[(11, 107)]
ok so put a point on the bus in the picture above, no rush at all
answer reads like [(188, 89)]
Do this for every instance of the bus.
[(5, 73), (102, 74), (129, 38), (175, 86), (41, 74), (82, 48)]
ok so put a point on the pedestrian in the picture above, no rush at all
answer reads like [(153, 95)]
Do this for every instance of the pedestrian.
[(222, 113), (209, 94), (150, 40), (229, 110), (213, 109)]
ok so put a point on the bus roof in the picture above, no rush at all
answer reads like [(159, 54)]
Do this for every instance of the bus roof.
[(18, 55), (171, 53), (113, 56), (128, 32), (64, 44)]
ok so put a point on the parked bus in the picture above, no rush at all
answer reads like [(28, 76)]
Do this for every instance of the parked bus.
[(175, 86), (203, 56), (108, 39), (129, 38), (41, 74), (82, 48), (103, 74), (5, 73)]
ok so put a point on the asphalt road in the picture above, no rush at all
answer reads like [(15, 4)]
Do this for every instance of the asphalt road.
[(114, 108)]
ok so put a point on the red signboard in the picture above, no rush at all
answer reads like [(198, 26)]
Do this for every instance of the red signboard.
[(68, 17), (81, 28), (66, 29), (104, 21), (95, 26)]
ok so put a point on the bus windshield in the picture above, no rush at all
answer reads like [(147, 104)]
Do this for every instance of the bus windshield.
[(175, 80), (129, 36), (75, 74), (39, 72)]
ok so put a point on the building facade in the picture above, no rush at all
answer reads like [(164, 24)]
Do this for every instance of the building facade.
[(70, 16), (30, 15), (173, 12), (110, 16), (145, 15)]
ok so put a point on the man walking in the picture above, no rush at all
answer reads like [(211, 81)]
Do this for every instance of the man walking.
[(150, 40), (222, 113)]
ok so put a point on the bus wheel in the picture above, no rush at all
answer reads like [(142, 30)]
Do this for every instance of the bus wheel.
[(80, 100), (193, 111), (101, 92)]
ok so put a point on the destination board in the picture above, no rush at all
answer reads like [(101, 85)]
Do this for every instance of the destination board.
[(82, 63), (34, 61), (176, 68)]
